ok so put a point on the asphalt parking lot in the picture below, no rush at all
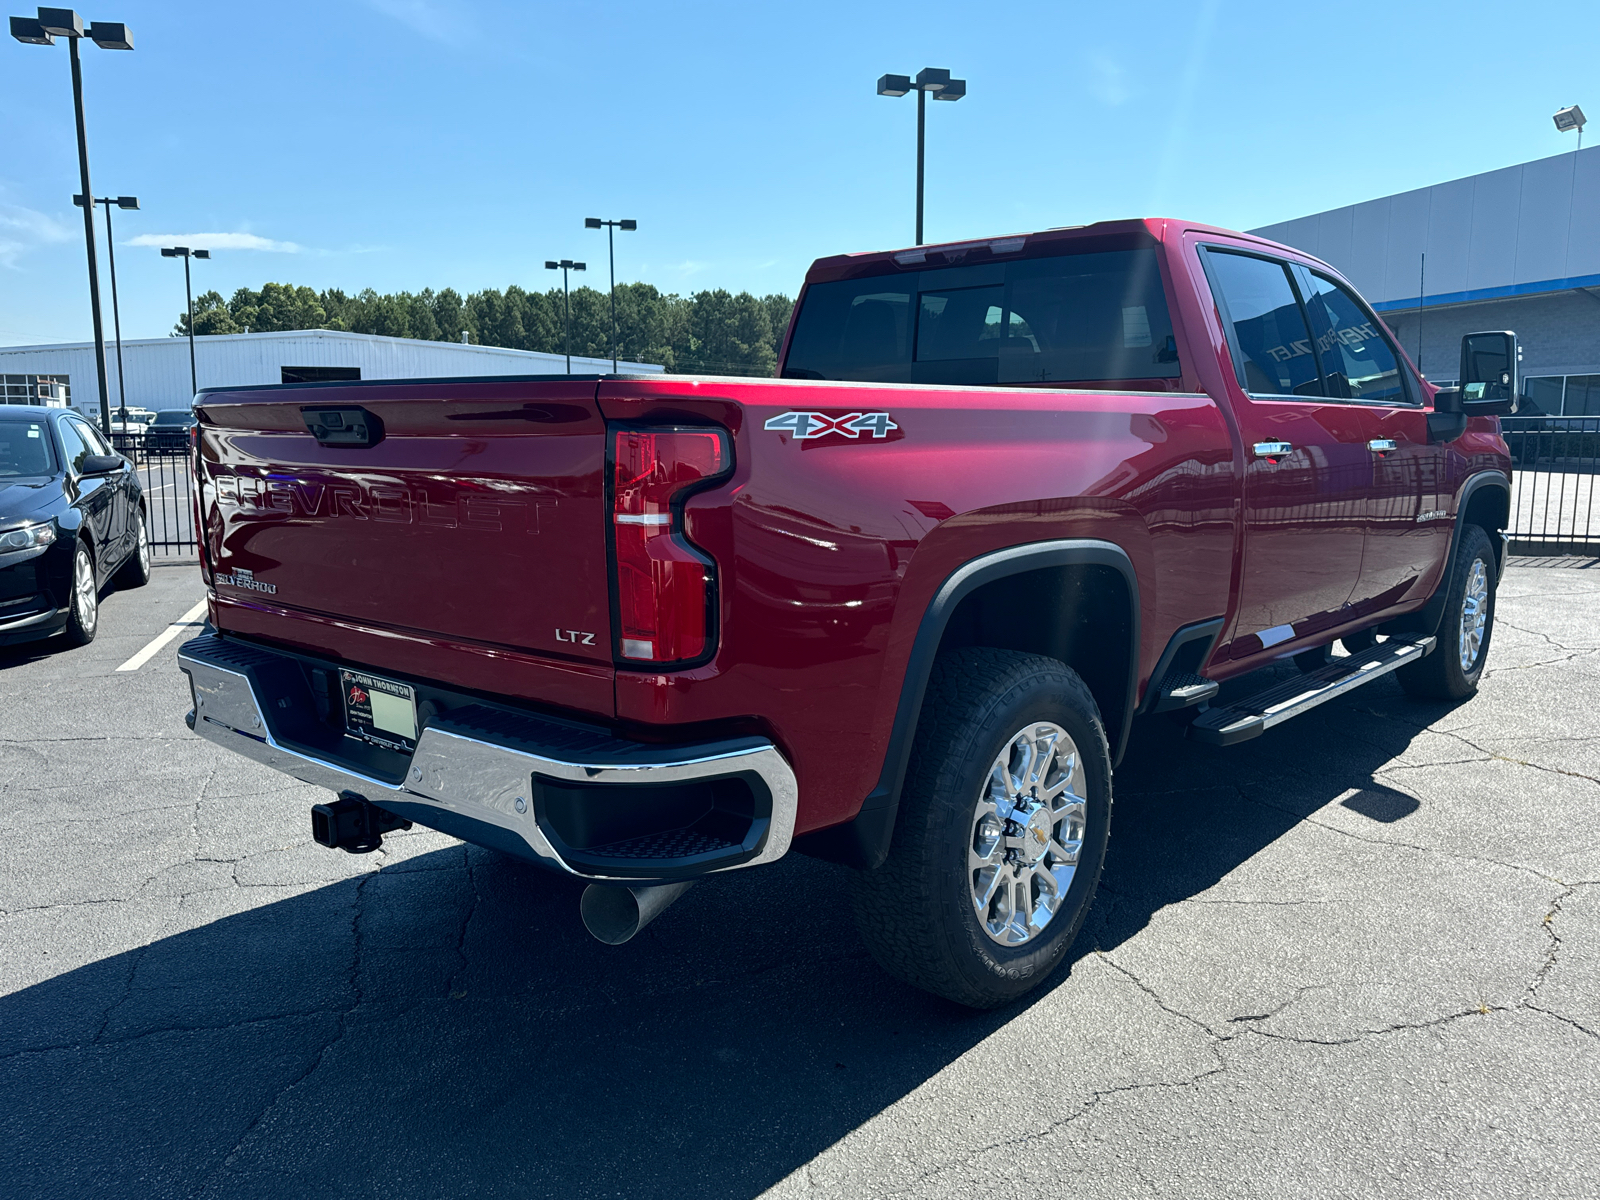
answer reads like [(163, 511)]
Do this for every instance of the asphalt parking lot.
[(1358, 956)]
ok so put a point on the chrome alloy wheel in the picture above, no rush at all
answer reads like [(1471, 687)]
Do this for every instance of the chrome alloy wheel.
[(84, 600), (144, 546), (1027, 833), (1474, 614)]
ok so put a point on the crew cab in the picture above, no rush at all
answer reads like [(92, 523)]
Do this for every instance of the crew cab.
[(896, 608)]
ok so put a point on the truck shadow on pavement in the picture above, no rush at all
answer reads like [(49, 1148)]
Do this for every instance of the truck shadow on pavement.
[(445, 1027)]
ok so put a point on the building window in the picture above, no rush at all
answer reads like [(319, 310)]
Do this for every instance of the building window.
[(54, 391), (1583, 396), (1561, 396), (319, 374)]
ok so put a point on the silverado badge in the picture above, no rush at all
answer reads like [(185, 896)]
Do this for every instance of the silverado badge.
[(247, 580), (806, 425)]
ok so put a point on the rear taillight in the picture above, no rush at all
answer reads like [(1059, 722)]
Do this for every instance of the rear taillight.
[(666, 589)]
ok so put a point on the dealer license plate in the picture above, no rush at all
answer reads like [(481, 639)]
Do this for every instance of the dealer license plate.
[(379, 710)]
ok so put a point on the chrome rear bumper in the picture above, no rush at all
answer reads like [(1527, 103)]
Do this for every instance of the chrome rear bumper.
[(475, 771)]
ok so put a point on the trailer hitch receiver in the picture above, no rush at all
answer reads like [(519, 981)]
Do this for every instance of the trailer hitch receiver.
[(353, 824)]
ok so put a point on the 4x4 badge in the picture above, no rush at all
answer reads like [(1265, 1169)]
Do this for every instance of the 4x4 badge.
[(806, 425)]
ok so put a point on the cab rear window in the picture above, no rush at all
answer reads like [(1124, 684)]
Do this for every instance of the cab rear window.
[(1099, 317)]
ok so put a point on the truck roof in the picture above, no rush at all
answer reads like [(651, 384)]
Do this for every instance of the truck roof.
[(1120, 234)]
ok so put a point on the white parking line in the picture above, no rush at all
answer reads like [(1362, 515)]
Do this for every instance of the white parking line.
[(161, 639)]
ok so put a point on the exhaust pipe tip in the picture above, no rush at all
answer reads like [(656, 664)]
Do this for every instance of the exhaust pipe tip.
[(614, 914)]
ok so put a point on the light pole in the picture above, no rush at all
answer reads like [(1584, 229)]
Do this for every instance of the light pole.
[(116, 317), (186, 254), (929, 79), (565, 265), (1569, 119), (611, 244), (43, 30)]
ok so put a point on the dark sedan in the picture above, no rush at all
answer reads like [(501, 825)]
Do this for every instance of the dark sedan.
[(71, 519)]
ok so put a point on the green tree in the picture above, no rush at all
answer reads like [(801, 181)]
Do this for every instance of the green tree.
[(713, 332), (211, 315)]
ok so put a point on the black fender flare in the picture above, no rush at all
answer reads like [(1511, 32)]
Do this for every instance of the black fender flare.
[(1428, 618), (863, 841)]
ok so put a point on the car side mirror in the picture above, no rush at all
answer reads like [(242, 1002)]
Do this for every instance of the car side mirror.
[(1488, 375), (100, 464)]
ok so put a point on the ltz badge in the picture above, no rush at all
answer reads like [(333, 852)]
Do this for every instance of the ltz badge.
[(806, 425)]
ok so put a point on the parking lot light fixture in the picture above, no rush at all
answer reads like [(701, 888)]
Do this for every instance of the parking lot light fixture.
[(930, 80), (1569, 119), (127, 202), (43, 30), (186, 254), (611, 245), (565, 265)]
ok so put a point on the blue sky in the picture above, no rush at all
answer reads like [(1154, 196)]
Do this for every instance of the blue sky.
[(401, 144)]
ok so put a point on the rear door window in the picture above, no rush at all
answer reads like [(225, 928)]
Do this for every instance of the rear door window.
[(1357, 361), (1073, 318), (1269, 328)]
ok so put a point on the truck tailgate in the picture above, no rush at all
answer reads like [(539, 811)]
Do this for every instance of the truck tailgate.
[(474, 523)]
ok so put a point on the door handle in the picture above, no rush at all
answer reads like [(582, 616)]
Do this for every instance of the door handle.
[(1272, 449), (1382, 445)]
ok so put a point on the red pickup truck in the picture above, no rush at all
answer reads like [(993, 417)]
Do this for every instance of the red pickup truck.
[(896, 608)]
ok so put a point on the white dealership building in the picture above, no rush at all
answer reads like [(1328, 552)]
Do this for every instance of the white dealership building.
[(158, 368), (1517, 248)]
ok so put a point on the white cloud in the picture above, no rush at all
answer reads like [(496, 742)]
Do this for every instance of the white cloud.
[(1108, 82), (23, 229), (215, 241)]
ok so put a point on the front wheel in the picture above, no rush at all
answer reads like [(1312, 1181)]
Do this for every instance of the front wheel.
[(1454, 668), (83, 614), (1001, 832)]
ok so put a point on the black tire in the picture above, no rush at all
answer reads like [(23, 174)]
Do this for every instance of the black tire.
[(1442, 676), (83, 608), (917, 912), (135, 573)]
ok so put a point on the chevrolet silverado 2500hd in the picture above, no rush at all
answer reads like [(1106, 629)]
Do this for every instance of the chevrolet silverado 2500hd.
[(896, 608)]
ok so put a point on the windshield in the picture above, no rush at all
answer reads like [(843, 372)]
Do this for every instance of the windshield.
[(173, 417), (1068, 319), (25, 448)]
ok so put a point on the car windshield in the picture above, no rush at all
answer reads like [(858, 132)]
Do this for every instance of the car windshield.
[(1071, 318), (176, 416), (25, 448)]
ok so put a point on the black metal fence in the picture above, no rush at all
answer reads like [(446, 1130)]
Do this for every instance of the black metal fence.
[(163, 465), (1555, 463)]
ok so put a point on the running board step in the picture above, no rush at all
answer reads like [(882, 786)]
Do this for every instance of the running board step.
[(1184, 689), (1254, 715)]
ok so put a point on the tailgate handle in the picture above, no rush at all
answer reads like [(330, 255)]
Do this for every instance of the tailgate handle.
[(342, 425)]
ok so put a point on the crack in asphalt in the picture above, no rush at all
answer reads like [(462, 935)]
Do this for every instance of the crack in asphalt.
[(466, 924), (321, 1055), (1554, 947)]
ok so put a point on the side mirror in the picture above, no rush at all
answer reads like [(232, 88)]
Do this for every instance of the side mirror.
[(1489, 374), (100, 464)]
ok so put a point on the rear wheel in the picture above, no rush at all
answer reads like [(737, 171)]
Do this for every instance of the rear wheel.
[(1001, 832), (136, 571), (83, 613), (1454, 668)]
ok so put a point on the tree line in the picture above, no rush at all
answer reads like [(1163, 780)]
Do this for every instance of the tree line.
[(711, 332)]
